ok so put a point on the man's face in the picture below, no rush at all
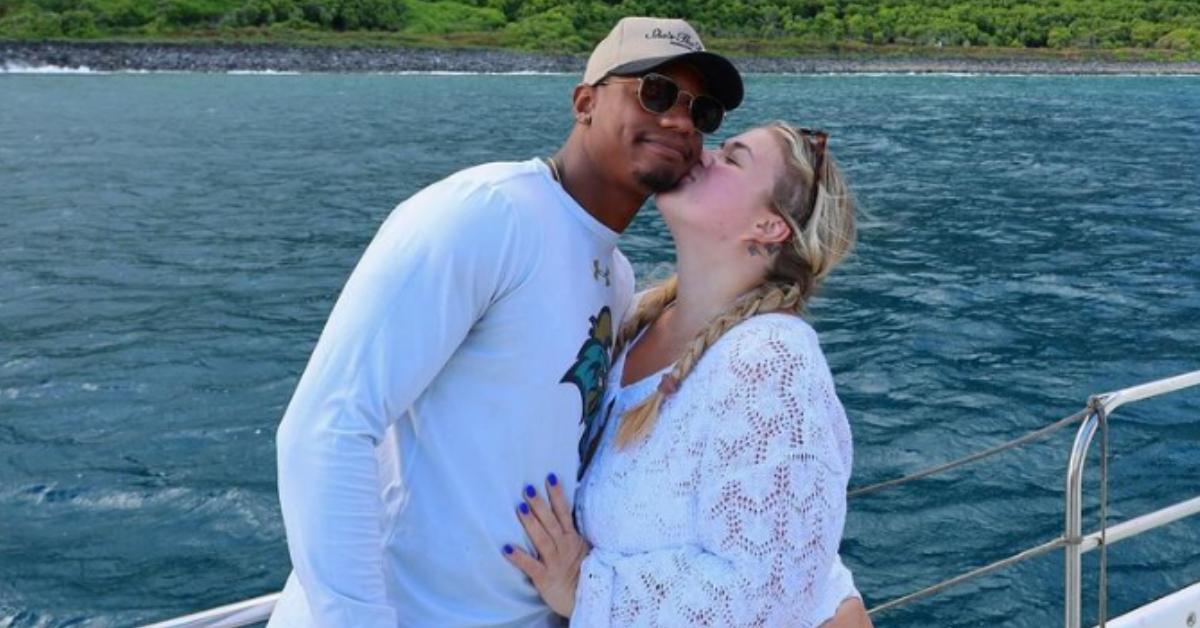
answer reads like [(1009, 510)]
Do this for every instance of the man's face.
[(652, 150)]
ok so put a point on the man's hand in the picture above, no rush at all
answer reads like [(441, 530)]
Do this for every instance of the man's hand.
[(560, 549)]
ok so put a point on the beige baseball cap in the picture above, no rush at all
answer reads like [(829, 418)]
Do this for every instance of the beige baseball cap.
[(640, 44)]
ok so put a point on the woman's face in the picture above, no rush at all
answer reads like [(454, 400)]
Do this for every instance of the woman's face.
[(726, 196)]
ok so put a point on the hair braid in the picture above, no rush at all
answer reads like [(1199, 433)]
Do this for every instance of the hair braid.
[(766, 298), (649, 308)]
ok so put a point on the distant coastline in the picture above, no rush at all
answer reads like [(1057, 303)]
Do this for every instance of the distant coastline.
[(225, 57)]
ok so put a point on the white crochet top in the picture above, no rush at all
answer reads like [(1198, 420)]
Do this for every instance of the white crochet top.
[(730, 513)]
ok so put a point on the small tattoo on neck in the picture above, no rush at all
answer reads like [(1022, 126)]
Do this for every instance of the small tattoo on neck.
[(754, 250), (774, 248)]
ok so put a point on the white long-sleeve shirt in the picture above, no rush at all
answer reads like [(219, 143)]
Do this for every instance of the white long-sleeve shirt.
[(730, 513), (459, 365)]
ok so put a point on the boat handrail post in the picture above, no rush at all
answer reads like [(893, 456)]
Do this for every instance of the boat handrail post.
[(1073, 531), (1100, 408)]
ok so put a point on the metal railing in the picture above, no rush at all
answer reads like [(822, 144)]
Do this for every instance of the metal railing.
[(1101, 407), (1093, 418), (234, 615)]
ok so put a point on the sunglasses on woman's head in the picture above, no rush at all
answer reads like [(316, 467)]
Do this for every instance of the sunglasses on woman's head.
[(657, 94), (816, 139)]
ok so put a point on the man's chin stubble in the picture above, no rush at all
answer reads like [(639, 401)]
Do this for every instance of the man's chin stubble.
[(659, 181)]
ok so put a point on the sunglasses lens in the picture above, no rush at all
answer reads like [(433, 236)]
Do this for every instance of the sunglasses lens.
[(707, 114), (658, 93)]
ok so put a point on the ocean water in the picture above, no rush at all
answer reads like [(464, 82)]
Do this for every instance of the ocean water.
[(171, 244)]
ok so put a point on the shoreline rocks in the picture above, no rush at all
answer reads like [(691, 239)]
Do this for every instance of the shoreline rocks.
[(224, 57), (198, 57)]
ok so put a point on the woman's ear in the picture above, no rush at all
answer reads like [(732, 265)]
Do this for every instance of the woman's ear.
[(772, 230)]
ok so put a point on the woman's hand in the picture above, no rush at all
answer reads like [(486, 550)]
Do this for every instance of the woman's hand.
[(560, 549)]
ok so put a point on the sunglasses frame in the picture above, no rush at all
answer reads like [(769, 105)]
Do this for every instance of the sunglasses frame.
[(679, 91)]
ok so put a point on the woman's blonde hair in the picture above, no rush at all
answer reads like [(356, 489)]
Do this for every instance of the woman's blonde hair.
[(822, 234)]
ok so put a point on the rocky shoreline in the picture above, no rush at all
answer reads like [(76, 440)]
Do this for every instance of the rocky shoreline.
[(196, 57)]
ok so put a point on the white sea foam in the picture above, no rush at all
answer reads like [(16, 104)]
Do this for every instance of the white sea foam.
[(264, 72), (24, 68), (469, 73), (11, 67), (128, 500), (961, 74)]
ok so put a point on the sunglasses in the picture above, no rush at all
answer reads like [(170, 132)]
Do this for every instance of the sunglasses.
[(657, 94)]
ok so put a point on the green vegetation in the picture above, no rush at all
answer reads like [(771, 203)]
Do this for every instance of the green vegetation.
[(1166, 29)]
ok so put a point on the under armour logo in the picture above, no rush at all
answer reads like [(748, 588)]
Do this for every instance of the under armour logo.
[(597, 273)]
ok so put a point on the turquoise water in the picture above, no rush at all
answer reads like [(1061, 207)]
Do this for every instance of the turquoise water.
[(170, 246)]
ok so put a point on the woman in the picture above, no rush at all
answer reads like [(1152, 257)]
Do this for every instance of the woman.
[(717, 495)]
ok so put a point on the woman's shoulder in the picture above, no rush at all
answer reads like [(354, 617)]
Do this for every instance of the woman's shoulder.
[(766, 351), (778, 323), (766, 335), (769, 378)]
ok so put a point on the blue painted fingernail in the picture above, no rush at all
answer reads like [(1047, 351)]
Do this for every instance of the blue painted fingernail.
[(508, 549), (553, 480), (524, 508), (530, 492)]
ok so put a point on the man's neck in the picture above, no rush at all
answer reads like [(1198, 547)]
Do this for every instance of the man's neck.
[(607, 202)]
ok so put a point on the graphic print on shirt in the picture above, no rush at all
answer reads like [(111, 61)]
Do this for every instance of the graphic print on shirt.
[(590, 373), (590, 441)]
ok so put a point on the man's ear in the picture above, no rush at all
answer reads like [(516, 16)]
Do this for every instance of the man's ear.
[(583, 102)]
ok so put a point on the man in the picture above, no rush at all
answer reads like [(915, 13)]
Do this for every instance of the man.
[(469, 351)]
